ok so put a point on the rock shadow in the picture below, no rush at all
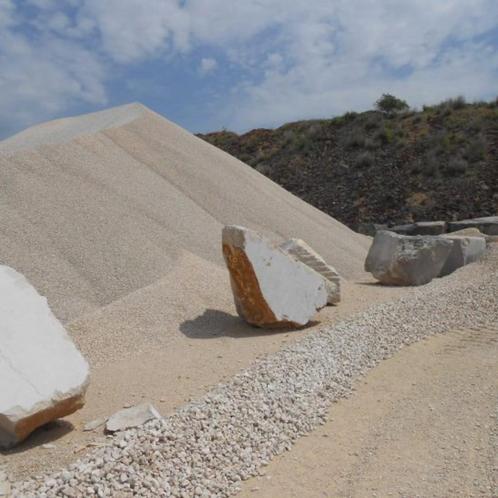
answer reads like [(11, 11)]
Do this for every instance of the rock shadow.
[(215, 323), (380, 284), (46, 434)]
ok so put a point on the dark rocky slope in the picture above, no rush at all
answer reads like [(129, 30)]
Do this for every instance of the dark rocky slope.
[(438, 163)]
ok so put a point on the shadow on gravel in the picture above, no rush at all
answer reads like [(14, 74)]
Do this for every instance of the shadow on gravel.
[(215, 323), (46, 434), (380, 284)]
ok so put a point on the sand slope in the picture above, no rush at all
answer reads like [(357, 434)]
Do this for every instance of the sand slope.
[(96, 207)]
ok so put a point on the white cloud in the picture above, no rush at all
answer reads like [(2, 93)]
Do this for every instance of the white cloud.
[(342, 55), (296, 59), (299, 93), (207, 65), (6, 13), (134, 29), (41, 77)]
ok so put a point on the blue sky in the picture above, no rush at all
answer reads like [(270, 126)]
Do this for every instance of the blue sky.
[(240, 64)]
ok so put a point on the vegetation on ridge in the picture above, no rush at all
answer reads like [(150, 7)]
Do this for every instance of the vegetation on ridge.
[(388, 165)]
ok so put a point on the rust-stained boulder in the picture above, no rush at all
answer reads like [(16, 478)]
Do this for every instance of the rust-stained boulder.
[(43, 376), (270, 288)]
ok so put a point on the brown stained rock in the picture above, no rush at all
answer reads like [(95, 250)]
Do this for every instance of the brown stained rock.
[(271, 288), (27, 425), (249, 300)]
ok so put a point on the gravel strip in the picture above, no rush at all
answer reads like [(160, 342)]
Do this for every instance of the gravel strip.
[(493, 454), (208, 447)]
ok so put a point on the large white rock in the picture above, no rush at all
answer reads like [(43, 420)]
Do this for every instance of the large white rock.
[(307, 255), (43, 376), (465, 250), (271, 288), (405, 260)]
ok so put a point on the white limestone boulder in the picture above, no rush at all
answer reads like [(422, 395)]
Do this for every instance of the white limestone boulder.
[(307, 255), (43, 376), (465, 250), (405, 260), (270, 288)]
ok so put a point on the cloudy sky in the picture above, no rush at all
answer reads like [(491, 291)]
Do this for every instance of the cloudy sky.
[(240, 64)]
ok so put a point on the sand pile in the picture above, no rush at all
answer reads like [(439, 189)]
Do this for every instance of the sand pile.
[(116, 217), (94, 208)]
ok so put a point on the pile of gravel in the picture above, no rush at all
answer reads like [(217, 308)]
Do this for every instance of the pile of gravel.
[(208, 447)]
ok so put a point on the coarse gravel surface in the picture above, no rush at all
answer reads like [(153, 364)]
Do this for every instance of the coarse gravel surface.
[(209, 446)]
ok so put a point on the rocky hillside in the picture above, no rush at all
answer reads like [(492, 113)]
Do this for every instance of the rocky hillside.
[(437, 163)]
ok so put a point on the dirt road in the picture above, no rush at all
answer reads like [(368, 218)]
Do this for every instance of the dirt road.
[(422, 424)]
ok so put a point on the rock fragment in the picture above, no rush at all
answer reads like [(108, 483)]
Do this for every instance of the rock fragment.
[(468, 232), (131, 417), (94, 424), (307, 255), (407, 229), (487, 225), (429, 228), (465, 250), (270, 288), (371, 229), (405, 260), (43, 376)]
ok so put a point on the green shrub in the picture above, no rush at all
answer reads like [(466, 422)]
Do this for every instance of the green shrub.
[(350, 116), (301, 142), (449, 105), (385, 135), (389, 104), (372, 122), (430, 164), (474, 125), (457, 103), (288, 136), (356, 139), (475, 151)]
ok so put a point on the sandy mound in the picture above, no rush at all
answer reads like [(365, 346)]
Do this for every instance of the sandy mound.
[(96, 207)]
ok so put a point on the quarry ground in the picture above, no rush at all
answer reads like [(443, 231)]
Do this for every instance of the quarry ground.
[(200, 353), (423, 423)]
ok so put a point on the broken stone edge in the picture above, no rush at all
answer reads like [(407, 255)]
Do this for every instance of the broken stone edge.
[(303, 252)]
